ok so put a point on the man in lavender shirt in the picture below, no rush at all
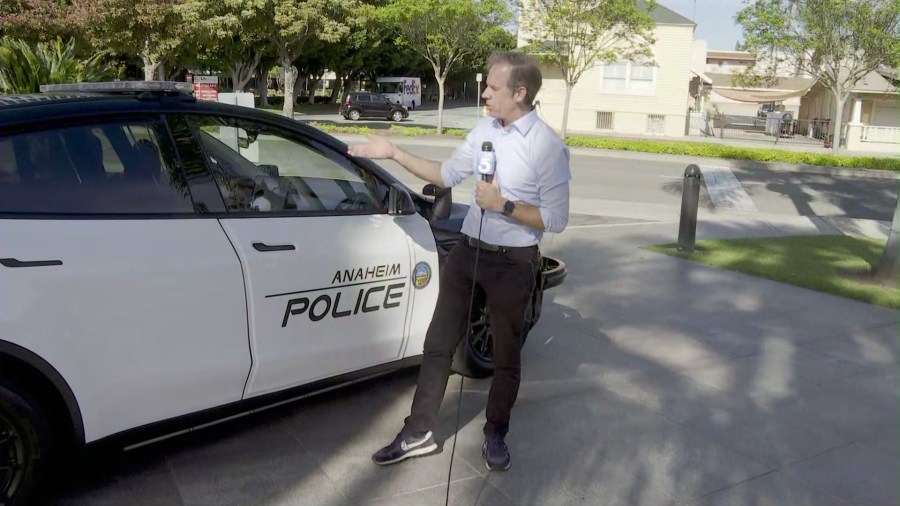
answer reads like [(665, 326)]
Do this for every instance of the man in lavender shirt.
[(528, 196)]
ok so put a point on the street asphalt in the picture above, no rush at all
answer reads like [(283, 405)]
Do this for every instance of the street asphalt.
[(649, 380)]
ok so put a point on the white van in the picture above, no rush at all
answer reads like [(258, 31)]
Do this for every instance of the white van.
[(406, 91)]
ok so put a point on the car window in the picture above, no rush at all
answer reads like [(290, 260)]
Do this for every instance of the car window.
[(108, 168), (363, 98), (260, 168)]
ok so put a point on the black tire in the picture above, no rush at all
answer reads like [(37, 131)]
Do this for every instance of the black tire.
[(397, 116), (26, 447), (354, 115), (474, 355)]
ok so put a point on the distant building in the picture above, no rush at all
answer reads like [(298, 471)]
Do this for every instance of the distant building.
[(628, 97)]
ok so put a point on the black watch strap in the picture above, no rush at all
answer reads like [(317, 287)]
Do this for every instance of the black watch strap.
[(508, 208)]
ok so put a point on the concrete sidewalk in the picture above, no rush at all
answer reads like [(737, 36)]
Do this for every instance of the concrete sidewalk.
[(649, 380)]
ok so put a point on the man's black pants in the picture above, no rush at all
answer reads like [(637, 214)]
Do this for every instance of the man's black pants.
[(508, 278)]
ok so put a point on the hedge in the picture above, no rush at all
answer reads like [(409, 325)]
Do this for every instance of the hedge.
[(663, 147), (737, 153)]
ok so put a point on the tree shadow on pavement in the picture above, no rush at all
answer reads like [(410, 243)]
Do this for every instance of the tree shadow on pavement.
[(648, 380)]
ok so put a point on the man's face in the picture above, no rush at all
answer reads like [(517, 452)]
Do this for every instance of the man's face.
[(501, 101)]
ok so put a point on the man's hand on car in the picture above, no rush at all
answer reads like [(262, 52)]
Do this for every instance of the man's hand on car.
[(376, 147)]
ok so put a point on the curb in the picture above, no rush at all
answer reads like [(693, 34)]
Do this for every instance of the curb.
[(637, 155)]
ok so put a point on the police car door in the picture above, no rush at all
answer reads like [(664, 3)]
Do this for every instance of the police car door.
[(327, 269)]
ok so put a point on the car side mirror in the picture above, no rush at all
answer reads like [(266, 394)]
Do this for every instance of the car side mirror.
[(443, 201), (400, 202)]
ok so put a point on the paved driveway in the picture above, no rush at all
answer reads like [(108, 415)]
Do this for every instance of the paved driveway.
[(649, 381)]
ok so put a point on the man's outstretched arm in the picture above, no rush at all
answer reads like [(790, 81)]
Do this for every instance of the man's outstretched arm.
[(378, 147)]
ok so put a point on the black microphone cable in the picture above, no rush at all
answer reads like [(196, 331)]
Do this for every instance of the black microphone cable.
[(468, 335)]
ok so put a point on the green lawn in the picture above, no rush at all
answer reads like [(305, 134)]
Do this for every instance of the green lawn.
[(834, 264)]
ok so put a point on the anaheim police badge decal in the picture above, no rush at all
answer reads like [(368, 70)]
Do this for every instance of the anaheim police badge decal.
[(421, 275)]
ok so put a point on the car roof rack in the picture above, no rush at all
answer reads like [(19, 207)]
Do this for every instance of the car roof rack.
[(143, 89)]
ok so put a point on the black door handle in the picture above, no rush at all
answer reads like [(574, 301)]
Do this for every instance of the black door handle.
[(261, 246), (12, 262)]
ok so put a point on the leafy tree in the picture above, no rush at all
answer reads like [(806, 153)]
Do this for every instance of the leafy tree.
[(296, 22), (229, 35), (499, 39), (151, 30), (38, 20), (24, 67), (573, 35), (444, 32), (837, 42)]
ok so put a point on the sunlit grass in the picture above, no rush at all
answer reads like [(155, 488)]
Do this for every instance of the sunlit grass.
[(834, 264)]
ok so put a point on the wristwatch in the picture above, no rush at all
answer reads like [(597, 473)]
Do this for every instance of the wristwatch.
[(508, 208)]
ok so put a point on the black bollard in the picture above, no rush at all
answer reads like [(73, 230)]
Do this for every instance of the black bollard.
[(690, 199)]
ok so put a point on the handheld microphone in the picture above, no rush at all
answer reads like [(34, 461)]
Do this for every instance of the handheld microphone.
[(487, 162)]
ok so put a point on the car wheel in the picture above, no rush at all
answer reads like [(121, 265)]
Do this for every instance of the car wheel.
[(397, 116), (25, 447), (354, 115), (474, 356)]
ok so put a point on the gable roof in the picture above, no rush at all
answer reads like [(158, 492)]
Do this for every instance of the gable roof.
[(664, 16), (874, 82)]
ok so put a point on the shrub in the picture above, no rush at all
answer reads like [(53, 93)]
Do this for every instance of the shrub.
[(733, 152), (23, 68)]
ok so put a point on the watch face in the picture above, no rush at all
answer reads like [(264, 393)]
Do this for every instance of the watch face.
[(509, 207)]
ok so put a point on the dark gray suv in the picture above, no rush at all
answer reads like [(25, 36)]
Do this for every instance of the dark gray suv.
[(371, 105)]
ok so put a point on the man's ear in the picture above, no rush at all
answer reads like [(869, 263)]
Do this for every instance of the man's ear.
[(520, 94)]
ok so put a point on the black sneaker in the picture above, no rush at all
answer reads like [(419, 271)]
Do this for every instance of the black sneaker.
[(496, 455), (402, 449)]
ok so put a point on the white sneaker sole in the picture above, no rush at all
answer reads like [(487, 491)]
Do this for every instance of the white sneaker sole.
[(418, 452), (499, 469)]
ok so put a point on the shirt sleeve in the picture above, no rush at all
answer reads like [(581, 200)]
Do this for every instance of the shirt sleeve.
[(461, 164), (553, 186)]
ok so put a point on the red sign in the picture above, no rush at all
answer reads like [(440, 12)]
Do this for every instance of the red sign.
[(206, 88)]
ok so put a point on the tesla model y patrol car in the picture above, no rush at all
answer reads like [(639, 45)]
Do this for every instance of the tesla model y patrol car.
[(167, 262)]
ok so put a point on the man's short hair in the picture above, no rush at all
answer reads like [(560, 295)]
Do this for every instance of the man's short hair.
[(524, 71)]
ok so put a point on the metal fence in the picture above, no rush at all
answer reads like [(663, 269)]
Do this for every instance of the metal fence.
[(783, 129)]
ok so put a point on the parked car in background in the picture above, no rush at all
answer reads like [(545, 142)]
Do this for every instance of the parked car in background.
[(371, 105)]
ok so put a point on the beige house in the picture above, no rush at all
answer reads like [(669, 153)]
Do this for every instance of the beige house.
[(728, 62), (628, 97), (871, 115)]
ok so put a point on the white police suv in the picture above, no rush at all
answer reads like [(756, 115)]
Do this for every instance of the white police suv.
[(166, 262)]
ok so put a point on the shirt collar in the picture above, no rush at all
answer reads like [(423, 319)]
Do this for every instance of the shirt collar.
[(523, 124)]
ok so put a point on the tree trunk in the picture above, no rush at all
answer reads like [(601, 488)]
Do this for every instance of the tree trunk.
[(336, 88), (262, 85), (290, 80), (348, 82), (440, 125), (161, 71), (565, 123), (298, 90), (840, 99), (313, 86), (149, 67), (889, 267)]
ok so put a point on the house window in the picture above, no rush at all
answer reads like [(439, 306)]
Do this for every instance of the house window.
[(605, 120), (641, 79), (615, 77), (656, 124), (629, 78)]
